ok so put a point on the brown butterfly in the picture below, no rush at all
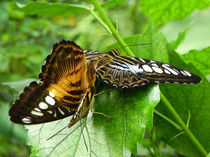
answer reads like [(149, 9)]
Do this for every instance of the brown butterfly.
[(67, 82), (66, 88)]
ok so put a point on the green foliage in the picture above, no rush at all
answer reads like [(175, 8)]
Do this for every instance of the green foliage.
[(200, 59), (49, 9), (163, 11), (156, 48), (28, 31), (112, 3), (104, 137), (192, 104), (181, 37)]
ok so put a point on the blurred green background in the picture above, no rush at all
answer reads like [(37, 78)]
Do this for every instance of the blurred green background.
[(25, 41)]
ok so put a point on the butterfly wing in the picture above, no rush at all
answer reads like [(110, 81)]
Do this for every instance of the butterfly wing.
[(61, 88), (126, 71)]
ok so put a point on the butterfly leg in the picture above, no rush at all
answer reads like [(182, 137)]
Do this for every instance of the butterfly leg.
[(104, 91), (100, 113)]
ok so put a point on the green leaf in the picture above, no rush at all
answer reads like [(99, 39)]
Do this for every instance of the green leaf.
[(131, 111), (155, 44), (18, 85), (167, 10), (200, 59), (8, 129), (181, 36), (192, 104), (50, 9), (112, 3)]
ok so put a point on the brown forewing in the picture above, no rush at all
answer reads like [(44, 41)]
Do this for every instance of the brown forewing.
[(62, 85)]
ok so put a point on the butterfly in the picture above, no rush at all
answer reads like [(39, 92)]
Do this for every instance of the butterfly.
[(66, 88), (67, 82)]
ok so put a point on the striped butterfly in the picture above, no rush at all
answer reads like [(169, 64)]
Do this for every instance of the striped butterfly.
[(67, 82), (128, 72)]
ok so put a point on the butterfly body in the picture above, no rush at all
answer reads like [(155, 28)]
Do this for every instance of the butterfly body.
[(67, 82)]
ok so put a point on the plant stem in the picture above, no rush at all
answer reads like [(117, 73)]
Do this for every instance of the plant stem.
[(100, 21), (169, 120), (111, 27), (182, 124), (163, 98)]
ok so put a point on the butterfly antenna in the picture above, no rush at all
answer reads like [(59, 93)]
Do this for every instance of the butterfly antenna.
[(137, 45), (57, 132)]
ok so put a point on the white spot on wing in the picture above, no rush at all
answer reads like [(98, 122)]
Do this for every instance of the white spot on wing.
[(37, 113), (36, 109), (134, 58), (166, 71), (173, 72), (176, 70), (142, 60), (183, 73), (26, 120), (50, 100), (115, 85), (147, 68), (157, 70), (51, 94), (154, 65), (135, 69), (43, 106), (142, 84), (188, 73), (166, 66), (118, 67)]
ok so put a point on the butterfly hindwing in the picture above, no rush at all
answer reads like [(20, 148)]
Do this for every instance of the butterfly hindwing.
[(126, 71), (61, 88), (37, 105)]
